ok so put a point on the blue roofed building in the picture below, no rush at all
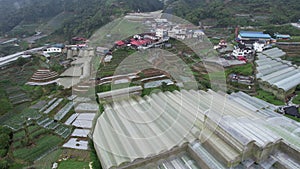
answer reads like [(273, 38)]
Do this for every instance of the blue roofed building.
[(249, 36)]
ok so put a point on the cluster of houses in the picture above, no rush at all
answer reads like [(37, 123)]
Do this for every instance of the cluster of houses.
[(161, 31), (249, 42), (141, 41)]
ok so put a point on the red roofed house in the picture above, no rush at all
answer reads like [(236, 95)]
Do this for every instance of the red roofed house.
[(119, 43)]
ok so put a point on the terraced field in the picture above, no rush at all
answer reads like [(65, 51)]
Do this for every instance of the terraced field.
[(42, 145)]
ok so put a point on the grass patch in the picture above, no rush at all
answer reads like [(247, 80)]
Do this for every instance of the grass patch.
[(246, 70), (71, 164), (269, 97), (296, 100), (16, 166), (41, 146)]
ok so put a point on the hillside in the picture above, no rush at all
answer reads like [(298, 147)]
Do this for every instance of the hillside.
[(86, 17), (67, 18), (236, 12)]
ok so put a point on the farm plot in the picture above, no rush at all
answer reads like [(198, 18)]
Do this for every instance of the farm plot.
[(21, 133), (48, 123), (53, 106), (47, 105), (20, 136), (42, 146), (16, 120), (64, 111), (57, 127), (39, 105), (63, 131), (17, 96)]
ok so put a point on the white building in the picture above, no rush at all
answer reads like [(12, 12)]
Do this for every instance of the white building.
[(52, 50), (198, 33), (161, 32), (108, 58)]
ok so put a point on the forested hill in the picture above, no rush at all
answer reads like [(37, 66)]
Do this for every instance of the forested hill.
[(86, 15), (82, 17), (236, 12)]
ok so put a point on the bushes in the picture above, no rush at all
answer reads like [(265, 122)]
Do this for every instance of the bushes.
[(5, 140), (94, 158), (4, 164)]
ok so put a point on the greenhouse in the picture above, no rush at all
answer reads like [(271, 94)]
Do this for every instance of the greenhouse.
[(213, 129), (277, 76)]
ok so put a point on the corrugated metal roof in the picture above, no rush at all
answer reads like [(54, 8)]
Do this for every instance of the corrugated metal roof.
[(246, 34)]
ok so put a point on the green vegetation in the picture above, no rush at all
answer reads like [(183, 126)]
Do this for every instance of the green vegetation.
[(94, 157), (246, 70), (269, 97), (283, 29), (8, 49), (296, 100), (119, 55), (74, 17), (236, 12), (71, 164), (16, 120), (39, 148), (5, 140)]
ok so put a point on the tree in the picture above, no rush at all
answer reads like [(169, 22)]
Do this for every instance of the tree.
[(5, 106), (21, 61)]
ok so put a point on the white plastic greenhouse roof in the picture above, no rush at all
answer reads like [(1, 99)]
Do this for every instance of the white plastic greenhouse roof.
[(274, 53), (139, 128), (279, 73)]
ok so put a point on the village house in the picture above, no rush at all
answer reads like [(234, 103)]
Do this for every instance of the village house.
[(161, 32), (282, 36), (102, 50)]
